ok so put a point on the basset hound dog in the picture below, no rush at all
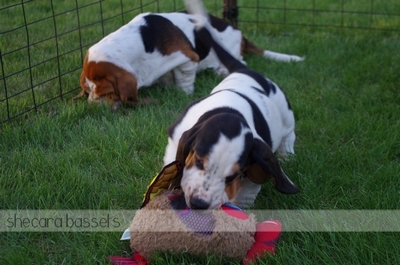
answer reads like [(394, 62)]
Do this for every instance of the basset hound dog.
[(157, 48), (226, 141)]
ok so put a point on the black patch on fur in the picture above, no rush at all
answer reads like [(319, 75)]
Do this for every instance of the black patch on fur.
[(157, 33), (201, 49), (213, 123), (260, 123), (231, 63), (243, 159), (264, 83), (259, 90), (226, 121), (263, 92), (209, 127), (223, 120), (219, 24)]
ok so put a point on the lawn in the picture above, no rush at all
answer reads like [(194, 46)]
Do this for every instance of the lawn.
[(74, 156)]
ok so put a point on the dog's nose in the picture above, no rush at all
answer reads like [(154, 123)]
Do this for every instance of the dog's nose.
[(198, 204)]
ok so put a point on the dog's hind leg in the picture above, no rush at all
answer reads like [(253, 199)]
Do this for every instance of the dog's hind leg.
[(185, 76), (287, 145)]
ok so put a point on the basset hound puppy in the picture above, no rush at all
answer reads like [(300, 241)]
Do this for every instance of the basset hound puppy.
[(226, 140), (157, 48)]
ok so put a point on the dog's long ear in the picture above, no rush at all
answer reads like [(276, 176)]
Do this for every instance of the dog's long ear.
[(267, 166), (85, 88), (185, 145), (126, 87)]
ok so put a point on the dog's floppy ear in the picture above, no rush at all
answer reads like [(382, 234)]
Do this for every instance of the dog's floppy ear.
[(232, 188), (126, 87), (185, 145), (267, 166), (85, 88)]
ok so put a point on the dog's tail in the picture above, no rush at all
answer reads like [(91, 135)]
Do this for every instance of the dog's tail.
[(250, 47), (207, 36), (196, 7)]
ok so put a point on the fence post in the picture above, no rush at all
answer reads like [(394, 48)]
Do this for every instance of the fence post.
[(230, 11)]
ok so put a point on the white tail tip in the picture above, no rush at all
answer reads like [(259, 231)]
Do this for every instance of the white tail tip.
[(196, 7), (281, 57)]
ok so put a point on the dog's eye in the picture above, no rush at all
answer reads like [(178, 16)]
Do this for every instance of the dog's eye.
[(199, 164)]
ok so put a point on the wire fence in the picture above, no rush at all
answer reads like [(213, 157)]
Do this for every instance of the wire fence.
[(368, 15), (43, 43)]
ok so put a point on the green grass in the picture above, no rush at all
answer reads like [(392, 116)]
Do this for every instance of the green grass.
[(78, 156)]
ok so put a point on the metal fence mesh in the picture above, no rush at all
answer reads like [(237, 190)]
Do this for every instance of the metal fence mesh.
[(362, 14)]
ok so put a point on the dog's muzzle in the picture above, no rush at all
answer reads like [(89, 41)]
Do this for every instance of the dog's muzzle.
[(198, 204)]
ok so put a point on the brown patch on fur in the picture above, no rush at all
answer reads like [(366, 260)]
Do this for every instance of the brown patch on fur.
[(173, 40), (84, 87), (232, 188), (190, 160), (256, 174), (235, 168), (112, 82), (249, 47)]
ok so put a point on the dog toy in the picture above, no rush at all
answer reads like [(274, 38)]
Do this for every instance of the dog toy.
[(165, 224)]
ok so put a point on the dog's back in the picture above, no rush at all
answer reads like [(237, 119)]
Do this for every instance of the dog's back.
[(241, 78)]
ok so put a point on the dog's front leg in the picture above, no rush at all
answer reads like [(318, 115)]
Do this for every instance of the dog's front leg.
[(81, 94), (247, 193), (287, 145)]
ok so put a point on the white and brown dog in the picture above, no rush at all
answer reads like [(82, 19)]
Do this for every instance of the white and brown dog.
[(226, 141), (157, 47)]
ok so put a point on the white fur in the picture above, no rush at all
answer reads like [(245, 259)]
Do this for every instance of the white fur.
[(226, 152), (281, 57)]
